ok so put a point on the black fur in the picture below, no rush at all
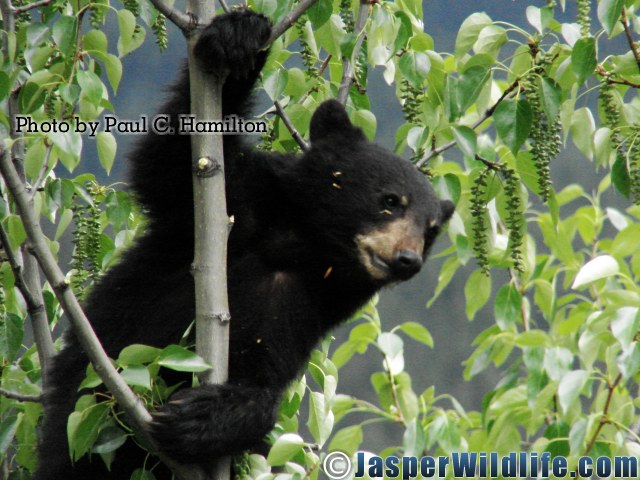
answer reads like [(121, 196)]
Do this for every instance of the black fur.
[(296, 221)]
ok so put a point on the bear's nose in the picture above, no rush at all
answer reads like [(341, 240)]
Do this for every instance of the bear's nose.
[(406, 263)]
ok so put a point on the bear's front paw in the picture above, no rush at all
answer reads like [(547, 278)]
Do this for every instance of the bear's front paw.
[(234, 43), (180, 428)]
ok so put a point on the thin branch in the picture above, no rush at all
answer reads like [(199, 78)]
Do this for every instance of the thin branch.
[(289, 19), (21, 397), (627, 31), (348, 70), (488, 163), (304, 145), (224, 6), (31, 6), (29, 273), (34, 301), (33, 305), (605, 412), (43, 173), (600, 70), (434, 152), (184, 21), (394, 391), (129, 402)]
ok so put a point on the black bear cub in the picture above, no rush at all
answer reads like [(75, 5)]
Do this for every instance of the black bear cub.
[(315, 236)]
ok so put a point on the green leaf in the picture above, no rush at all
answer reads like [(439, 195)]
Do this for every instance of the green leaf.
[(629, 361), (16, 231), (11, 334), (31, 97), (330, 35), (620, 176), (609, 13), (182, 360), (539, 18), (418, 332), (5, 85), (275, 82), (130, 37), (285, 448), (113, 66), (107, 146), (557, 362), (624, 325), (366, 121), (142, 474), (551, 97), (582, 130), (448, 270), (558, 434), (513, 122), (477, 292), (34, 158), (109, 440), (137, 376), (570, 387), (90, 85), (392, 346), (320, 421), (405, 31), (469, 31), (8, 429), (64, 34), (137, 354), (95, 41), (466, 139), (320, 12), (600, 267), (532, 338), (470, 85), (490, 39), (583, 58), (508, 306), (84, 427), (347, 440), (68, 146), (414, 66), (414, 441)]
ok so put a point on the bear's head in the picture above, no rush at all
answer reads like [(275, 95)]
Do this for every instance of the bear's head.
[(365, 207)]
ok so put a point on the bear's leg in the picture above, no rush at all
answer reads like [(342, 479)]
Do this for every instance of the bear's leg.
[(200, 424)]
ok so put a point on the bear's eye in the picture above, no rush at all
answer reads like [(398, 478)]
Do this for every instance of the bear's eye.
[(391, 200)]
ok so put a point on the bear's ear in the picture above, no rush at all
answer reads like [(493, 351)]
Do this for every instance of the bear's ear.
[(330, 120), (446, 207)]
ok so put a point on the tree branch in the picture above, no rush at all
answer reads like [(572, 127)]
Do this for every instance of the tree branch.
[(211, 229), (35, 304), (348, 70), (605, 411), (31, 6), (21, 397), (627, 32), (16, 267), (224, 6), (434, 152), (130, 403), (289, 19), (184, 21), (304, 145), (29, 273)]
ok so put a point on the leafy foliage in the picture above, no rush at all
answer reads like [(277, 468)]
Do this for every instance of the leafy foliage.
[(487, 122)]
